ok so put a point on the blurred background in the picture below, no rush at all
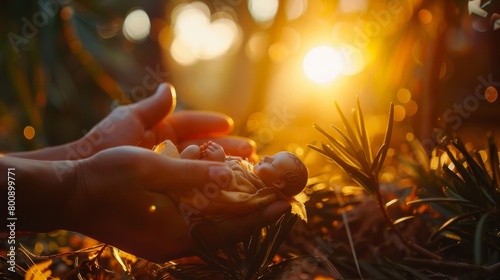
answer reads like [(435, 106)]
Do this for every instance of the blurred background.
[(276, 67)]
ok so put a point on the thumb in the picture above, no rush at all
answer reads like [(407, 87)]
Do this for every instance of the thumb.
[(153, 109), (179, 175)]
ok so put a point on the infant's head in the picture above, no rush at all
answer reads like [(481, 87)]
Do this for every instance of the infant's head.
[(284, 171)]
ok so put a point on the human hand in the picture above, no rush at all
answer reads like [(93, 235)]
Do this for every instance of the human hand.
[(121, 197), (150, 121), (147, 123)]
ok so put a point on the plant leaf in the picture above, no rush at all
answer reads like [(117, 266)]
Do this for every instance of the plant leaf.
[(478, 238), (348, 128), (444, 200), (452, 221), (364, 136), (402, 219)]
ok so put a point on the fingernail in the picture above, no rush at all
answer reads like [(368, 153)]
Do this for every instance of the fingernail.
[(173, 95)]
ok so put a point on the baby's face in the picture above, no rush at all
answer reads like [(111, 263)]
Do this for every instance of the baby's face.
[(271, 168)]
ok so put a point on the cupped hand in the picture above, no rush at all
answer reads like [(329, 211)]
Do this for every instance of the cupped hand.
[(151, 121), (122, 198)]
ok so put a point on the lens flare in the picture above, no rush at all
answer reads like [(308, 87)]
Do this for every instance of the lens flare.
[(323, 64)]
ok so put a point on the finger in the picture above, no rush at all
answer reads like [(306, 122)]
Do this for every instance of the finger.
[(238, 228), (185, 175), (258, 219), (271, 213), (232, 145), (156, 107), (198, 124)]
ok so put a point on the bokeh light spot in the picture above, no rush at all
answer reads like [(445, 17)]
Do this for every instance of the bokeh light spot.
[(263, 10), (225, 33), (198, 35), (38, 249), (182, 53), (411, 108), (66, 13), (291, 38), (295, 8), (353, 6), (257, 45), (29, 132), (491, 94), (390, 152), (136, 26), (425, 16), (403, 95), (323, 64), (409, 136), (399, 113)]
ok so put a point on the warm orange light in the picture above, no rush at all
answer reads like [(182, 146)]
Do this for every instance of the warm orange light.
[(278, 52), (323, 64), (199, 35), (399, 113), (411, 108), (263, 10), (491, 94), (424, 16), (403, 95), (29, 132)]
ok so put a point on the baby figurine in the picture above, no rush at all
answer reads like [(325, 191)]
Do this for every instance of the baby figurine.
[(283, 171), (281, 176)]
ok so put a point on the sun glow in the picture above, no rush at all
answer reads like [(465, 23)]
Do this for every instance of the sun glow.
[(323, 64)]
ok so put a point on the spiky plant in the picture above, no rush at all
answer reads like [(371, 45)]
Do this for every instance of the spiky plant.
[(463, 187), (351, 150), (250, 259)]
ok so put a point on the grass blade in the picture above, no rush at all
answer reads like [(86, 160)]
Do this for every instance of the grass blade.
[(444, 200), (347, 127), (452, 221), (478, 238), (364, 136), (330, 138), (494, 162)]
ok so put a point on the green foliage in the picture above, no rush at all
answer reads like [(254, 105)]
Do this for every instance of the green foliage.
[(468, 206)]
